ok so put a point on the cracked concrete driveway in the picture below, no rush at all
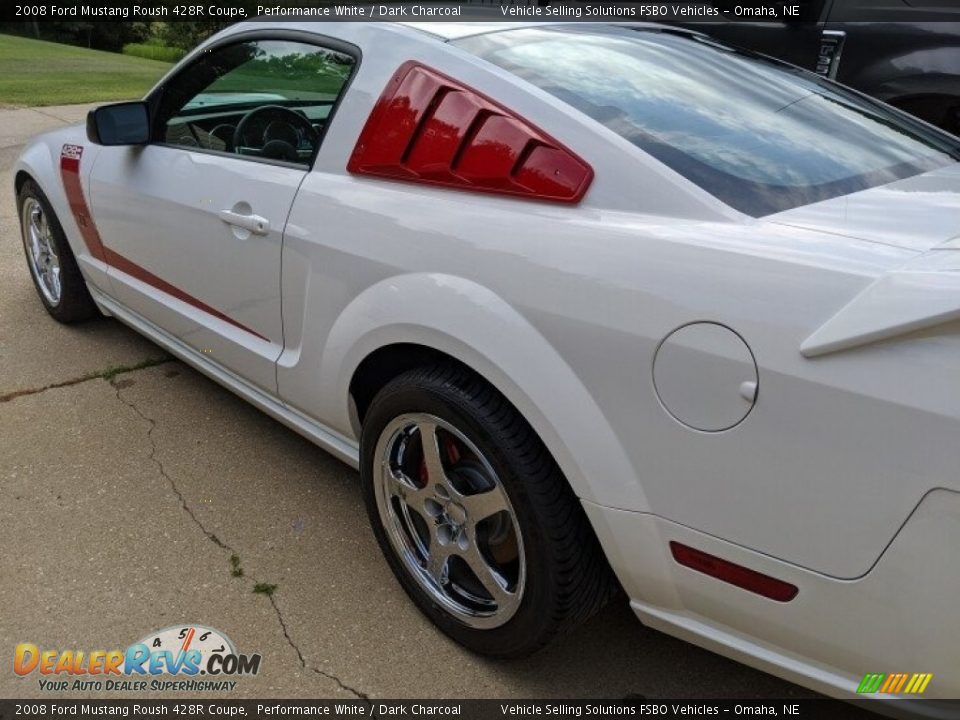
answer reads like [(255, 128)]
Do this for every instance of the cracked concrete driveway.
[(124, 497)]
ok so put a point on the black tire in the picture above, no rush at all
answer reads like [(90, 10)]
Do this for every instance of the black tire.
[(567, 575), (74, 304)]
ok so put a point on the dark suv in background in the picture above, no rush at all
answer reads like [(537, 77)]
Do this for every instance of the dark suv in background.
[(904, 52)]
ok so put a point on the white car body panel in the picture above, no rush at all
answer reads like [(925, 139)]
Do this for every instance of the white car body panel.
[(817, 638), (927, 217), (163, 206), (922, 294), (454, 30), (840, 479), (343, 448), (40, 159)]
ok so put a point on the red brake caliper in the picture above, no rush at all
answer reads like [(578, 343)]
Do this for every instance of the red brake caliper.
[(453, 452), (453, 456)]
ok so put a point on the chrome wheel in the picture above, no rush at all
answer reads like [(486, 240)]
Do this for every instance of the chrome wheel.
[(449, 519), (41, 250)]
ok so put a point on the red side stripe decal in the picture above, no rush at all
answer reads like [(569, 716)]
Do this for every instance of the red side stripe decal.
[(115, 259), (70, 173)]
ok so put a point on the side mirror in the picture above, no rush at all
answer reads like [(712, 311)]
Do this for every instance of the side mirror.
[(119, 124)]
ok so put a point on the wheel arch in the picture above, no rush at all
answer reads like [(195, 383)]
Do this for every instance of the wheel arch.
[(20, 180), (40, 164), (447, 318), (384, 364)]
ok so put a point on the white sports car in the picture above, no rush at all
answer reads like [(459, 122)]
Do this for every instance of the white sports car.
[(572, 298)]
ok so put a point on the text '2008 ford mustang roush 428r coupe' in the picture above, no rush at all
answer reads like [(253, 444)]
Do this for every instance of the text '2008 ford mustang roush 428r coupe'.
[(574, 299)]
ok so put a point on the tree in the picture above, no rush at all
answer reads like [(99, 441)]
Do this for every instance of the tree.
[(100, 35)]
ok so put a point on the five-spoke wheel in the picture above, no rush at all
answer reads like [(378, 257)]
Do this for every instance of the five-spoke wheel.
[(473, 515), (449, 519), (41, 252), (53, 268)]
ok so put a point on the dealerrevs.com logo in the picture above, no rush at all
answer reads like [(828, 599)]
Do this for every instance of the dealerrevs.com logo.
[(182, 657)]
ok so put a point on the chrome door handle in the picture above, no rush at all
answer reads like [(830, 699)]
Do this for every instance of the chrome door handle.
[(254, 223)]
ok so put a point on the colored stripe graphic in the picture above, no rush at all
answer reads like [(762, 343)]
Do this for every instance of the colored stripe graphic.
[(890, 683), (899, 686), (70, 174), (871, 682), (895, 683), (118, 261)]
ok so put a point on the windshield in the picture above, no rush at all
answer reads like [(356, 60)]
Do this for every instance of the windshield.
[(759, 135)]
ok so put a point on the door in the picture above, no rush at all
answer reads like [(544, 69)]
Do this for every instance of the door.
[(193, 222)]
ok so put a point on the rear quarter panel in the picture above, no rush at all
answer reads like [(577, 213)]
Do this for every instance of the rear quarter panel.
[(563, 308)]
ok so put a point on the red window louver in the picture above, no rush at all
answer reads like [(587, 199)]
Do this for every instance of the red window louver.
[(429, 128)]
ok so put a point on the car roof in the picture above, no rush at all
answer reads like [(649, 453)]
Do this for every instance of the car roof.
[(447, 31), (438, 30), (456, 30)]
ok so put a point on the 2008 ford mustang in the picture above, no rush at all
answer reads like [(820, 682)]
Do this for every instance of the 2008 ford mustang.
[(587, 305)]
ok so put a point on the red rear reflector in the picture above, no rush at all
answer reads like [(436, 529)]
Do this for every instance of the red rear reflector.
[(429, 128), (734, 574)]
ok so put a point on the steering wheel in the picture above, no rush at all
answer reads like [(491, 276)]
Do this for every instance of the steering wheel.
[(279, 138)]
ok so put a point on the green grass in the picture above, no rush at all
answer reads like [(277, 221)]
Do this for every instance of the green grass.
[(152, 51), (35, 72)]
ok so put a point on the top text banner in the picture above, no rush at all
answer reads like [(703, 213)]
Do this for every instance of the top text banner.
[(225, 11)]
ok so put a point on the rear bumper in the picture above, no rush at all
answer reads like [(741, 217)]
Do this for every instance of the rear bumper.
[(902, 616)]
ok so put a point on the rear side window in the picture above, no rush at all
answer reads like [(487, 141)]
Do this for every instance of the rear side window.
[(760, 136)]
